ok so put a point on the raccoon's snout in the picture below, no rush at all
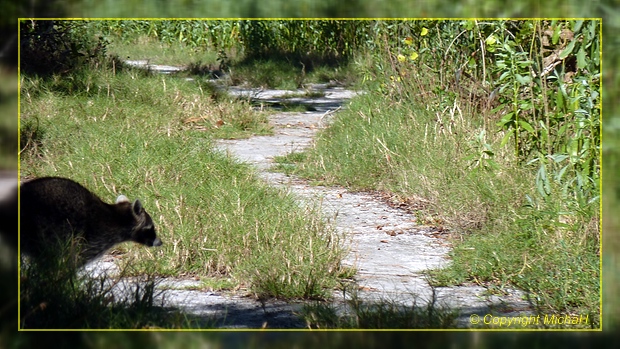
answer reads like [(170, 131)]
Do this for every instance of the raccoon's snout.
[(157, 242)]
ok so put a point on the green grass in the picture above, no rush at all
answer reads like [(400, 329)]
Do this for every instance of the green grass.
[(157, 52), (439, 159), (277, 73), (130, 133)]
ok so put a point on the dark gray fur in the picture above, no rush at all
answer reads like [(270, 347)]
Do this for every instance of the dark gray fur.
[(57, 209)]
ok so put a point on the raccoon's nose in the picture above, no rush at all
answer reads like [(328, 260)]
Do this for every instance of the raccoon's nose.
[(157, 242)]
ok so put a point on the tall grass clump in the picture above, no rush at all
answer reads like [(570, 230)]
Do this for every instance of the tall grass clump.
[(122, 130), (493, 128)]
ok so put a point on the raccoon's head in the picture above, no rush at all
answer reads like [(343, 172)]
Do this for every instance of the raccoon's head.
[(143, 231)]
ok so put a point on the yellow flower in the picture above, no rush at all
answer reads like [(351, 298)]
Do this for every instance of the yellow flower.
[(424, 31), (413, 56), (409, 41), (401, 58)]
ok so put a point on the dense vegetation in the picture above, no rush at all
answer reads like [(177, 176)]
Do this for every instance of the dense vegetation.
[(495, 127)]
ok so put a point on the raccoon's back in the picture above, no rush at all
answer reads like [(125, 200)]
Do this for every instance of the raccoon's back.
[(55, 207)]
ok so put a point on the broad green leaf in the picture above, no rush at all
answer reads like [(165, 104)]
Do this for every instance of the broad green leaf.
[(523, 79), (506, 138), (560, 174), (526, 126), (577, 26), (581, 58), (541, 125), (558, 157), (504, 75), (559, 100), (505, 119), (509, 49), (568, 50), (556, 35), (562, 130)]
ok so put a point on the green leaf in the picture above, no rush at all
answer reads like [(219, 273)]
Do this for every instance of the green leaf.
[(539, 185), (581, 58), (523, 79), (562, 130), (577, 26), (526, 126), (504, 75), (506, 138), (530, 201), (568, 50), (560, 174), (542, 182), (556, 35), (505, 119), (558, 157), (559, 100)]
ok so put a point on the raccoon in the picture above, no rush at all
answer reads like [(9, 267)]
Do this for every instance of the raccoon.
[(58, 210)]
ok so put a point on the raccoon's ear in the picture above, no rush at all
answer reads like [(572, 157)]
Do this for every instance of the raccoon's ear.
[(136, 207), (121, 198)]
